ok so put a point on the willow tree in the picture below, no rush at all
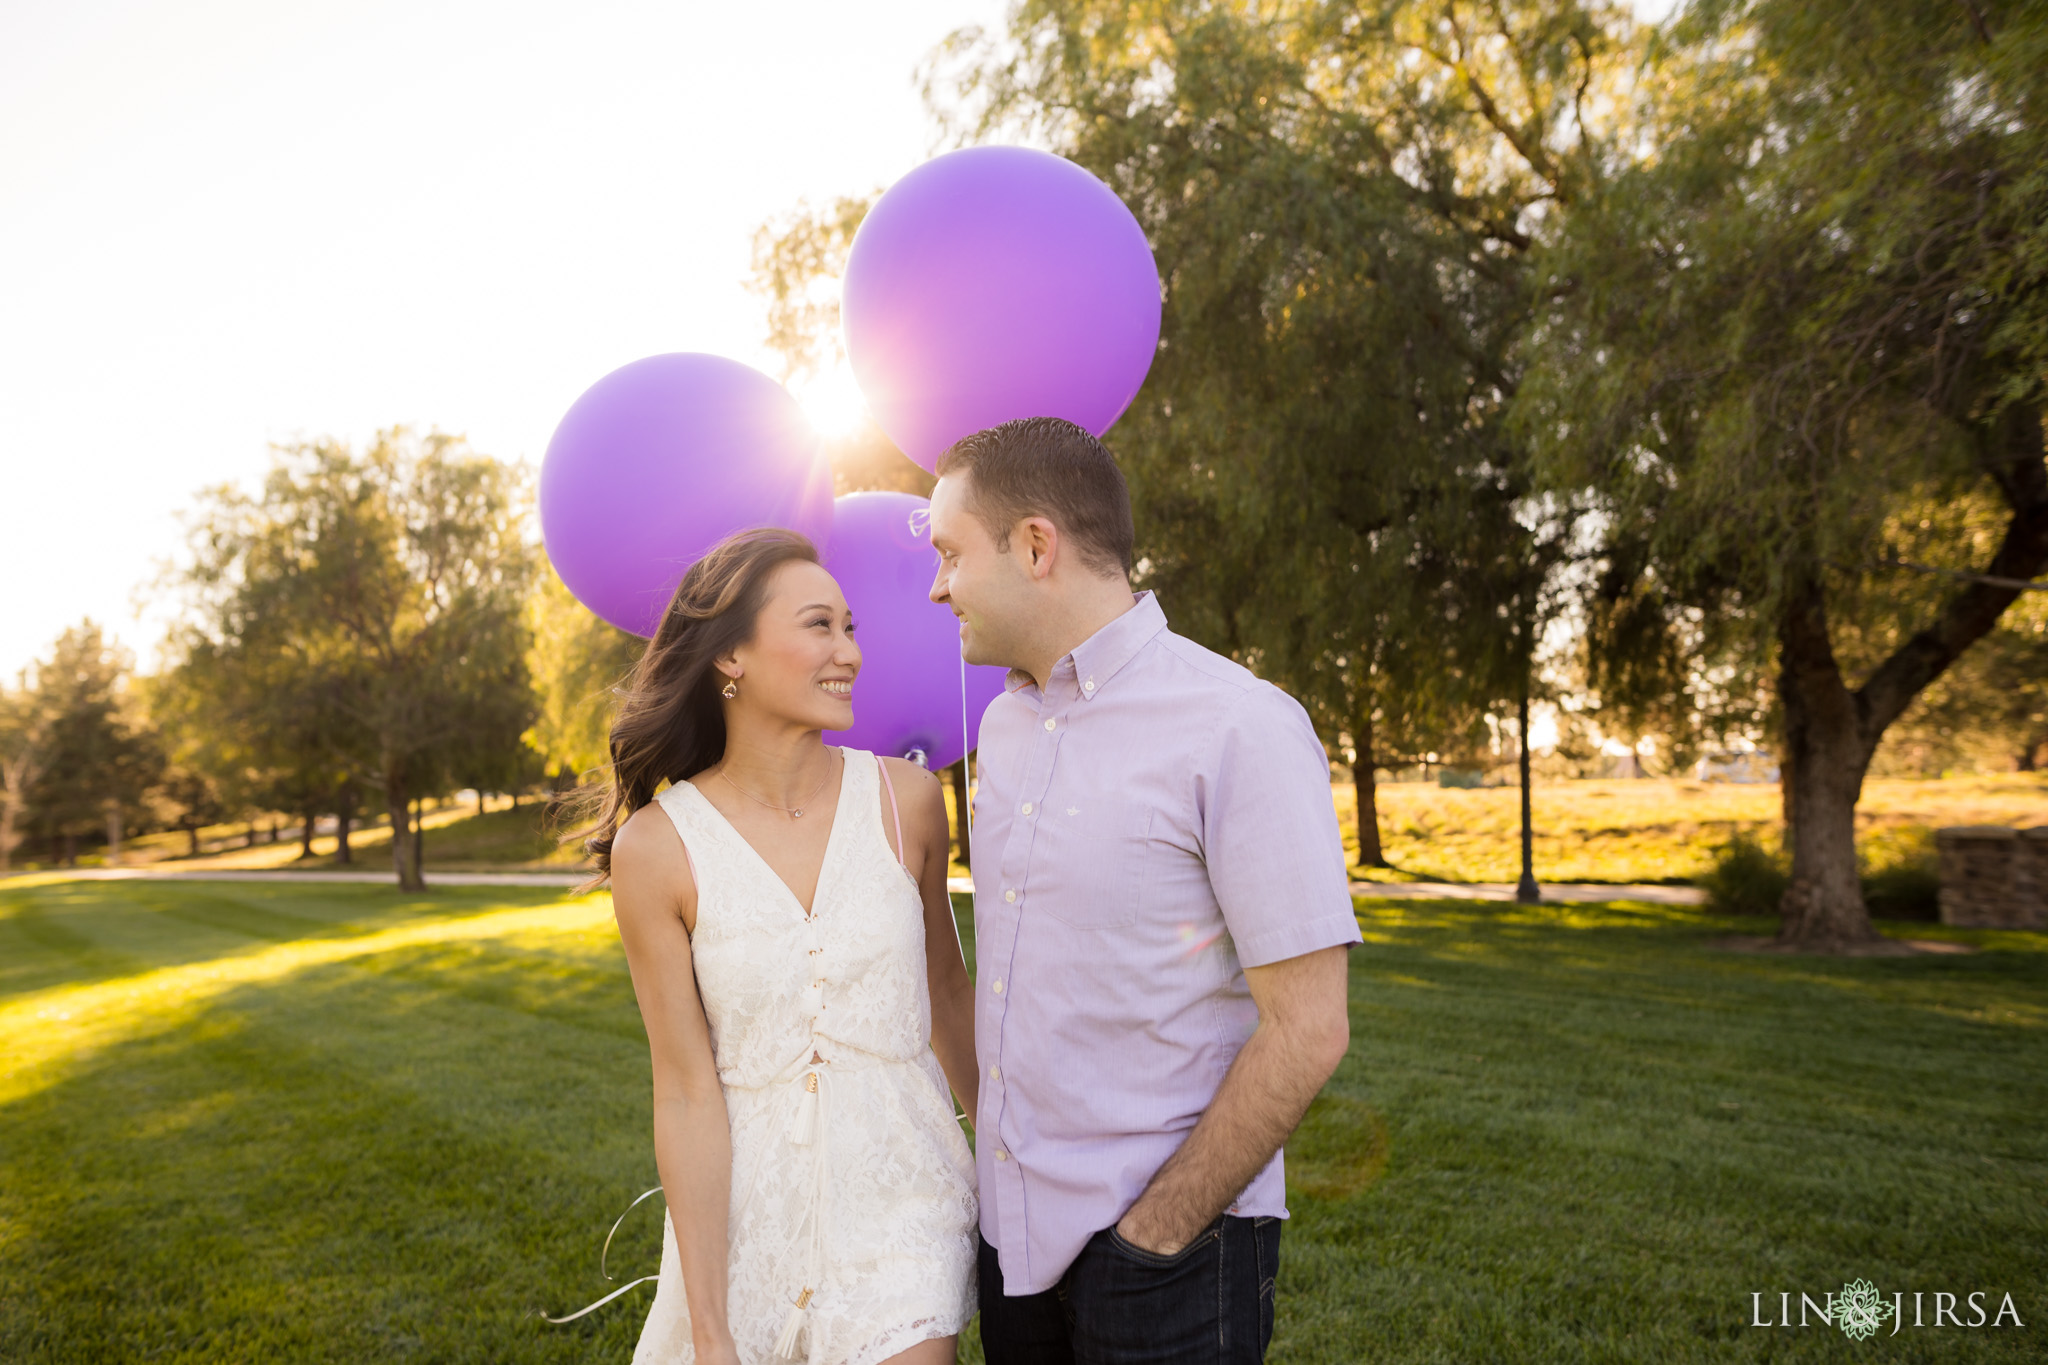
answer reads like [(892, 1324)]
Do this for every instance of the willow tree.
[(1323, 480), (1812, 311)]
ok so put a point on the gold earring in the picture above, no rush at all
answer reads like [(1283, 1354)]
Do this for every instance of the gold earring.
[(729, 691)]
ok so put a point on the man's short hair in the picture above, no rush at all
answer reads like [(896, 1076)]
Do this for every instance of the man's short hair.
[(1047, 467)]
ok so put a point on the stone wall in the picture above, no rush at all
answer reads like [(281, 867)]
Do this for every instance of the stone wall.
[(1993, 877)]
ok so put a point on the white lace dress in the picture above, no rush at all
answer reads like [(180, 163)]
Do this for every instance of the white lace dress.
[(850, 1177)]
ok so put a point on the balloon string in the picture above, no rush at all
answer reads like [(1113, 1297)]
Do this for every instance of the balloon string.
[(601, 1256), (607, 1251), (601, 1302), (967, 771)]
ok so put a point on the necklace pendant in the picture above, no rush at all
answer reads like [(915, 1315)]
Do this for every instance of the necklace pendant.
[(798, 814)]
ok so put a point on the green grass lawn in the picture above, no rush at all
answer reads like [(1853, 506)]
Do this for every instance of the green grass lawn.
[(338, 1123)]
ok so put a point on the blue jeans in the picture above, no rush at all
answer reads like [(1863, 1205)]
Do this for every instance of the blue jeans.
[(1210, 1303)]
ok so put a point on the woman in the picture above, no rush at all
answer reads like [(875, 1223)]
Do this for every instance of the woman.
[(784, 912)]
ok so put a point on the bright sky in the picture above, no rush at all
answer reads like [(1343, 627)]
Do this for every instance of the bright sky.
[(225, 223)]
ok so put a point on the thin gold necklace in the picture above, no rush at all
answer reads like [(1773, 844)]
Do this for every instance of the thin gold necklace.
[(794, 812)]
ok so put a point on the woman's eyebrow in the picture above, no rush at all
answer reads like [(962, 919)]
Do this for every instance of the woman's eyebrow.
[(813, 606)]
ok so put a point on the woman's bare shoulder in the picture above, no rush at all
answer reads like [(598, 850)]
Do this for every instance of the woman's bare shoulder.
[(920, 794), (648, 852), (908, 777)]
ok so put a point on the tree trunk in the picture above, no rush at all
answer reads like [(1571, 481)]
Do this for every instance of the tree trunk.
[(113, 834), (479, 800), (1822, 774), (404, 851), (1365, 785), (419, 834), (958, 775), (249, 836), (70, 849), (191, 838), (344, 816)]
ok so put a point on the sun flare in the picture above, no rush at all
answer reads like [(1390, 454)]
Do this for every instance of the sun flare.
[(832, 402)]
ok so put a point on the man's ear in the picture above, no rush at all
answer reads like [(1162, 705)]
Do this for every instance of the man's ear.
[(1041, 542)]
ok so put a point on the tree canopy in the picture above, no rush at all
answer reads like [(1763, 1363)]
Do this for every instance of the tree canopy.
[(363, 617)]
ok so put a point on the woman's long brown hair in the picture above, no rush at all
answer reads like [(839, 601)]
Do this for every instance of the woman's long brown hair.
[(669, 724)]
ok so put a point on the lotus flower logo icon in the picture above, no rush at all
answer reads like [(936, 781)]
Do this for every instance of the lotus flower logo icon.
[(1859, 1311)]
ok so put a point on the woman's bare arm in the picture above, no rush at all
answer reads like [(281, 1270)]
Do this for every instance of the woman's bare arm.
[(952, 994), (654, 899)]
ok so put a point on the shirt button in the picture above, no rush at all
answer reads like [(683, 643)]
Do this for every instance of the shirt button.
[(1027, 808), (995, 1073), (1088, 686), (1010, 895), (998, 986), (1002, 1155), (1050, 722)]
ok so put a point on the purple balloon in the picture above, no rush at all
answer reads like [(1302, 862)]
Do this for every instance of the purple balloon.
[(660, 460), (908, 693), (994, 283)]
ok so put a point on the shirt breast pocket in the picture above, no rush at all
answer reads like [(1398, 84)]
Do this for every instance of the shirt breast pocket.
[(1091, 872)]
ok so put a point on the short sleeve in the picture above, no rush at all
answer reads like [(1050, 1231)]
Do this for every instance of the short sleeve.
[(1269, 833)]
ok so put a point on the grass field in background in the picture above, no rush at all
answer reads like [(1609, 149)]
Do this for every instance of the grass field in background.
[(1647, 830), (457, 839), (337, 1123)]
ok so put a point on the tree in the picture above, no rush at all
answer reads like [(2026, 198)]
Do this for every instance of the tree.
[(1321, 474), (86, 758), (1816, 304), (390, 588), (190, 801), (576, 659), (25, 723)]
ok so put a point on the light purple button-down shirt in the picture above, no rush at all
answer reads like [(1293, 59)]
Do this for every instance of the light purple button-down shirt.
[(1154, 822)]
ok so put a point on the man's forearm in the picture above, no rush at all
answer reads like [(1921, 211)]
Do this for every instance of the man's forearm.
[(1263, 1096)]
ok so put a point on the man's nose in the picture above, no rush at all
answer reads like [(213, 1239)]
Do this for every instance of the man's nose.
[(941, 587)]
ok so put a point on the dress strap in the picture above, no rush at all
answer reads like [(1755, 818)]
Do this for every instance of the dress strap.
[(667, 802), (882, 766)]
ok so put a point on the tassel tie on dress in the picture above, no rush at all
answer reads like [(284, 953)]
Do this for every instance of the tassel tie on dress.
[(807, 1129)]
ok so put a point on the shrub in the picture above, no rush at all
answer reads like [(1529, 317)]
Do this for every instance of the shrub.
[(1746, 877), (1901, 873)]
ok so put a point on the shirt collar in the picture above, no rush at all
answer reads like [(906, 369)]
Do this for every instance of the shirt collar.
[(1102, 655)]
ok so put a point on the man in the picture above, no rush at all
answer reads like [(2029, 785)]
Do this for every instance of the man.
[(1163, 920)]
